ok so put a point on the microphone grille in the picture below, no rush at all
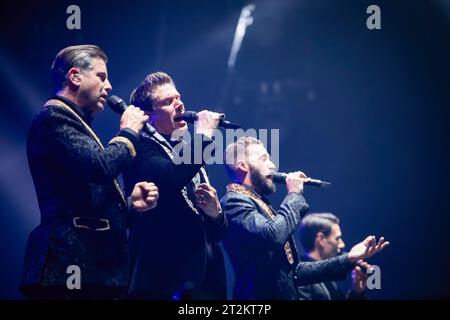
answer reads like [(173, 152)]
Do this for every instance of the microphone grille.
[(279, 177), (190, 115), (116, 104)]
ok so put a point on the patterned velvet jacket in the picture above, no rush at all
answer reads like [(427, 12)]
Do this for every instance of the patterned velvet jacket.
[(83, 211)]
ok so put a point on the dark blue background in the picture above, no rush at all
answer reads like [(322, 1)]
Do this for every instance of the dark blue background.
[(367, 110)]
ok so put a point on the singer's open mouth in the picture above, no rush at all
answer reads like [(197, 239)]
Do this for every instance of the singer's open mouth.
[(179, 121), (178, 117)]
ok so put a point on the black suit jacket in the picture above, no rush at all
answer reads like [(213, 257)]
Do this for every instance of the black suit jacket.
[(74, 178), (174, 251), (255, 243), (324, 290)]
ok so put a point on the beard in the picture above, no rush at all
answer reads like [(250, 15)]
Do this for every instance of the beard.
[(264, 185)]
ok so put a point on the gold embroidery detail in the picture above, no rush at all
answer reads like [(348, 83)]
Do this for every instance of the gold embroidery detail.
[(58, 103), (269, 211), (127, 142)]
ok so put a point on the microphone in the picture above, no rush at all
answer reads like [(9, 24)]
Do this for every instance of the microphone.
[(119, 106), (359, 264), (280, 178), (191, 117)]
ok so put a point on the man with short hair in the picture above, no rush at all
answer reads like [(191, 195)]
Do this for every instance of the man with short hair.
[(174, 251), (83, 210), (260, 240), (321, 238)]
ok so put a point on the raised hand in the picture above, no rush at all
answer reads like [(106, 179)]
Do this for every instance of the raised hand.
[(133, 118), (207, 200), (367, 248)]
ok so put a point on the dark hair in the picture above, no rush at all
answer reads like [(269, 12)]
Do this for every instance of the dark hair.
[(142, 97), (79, 56), (314, 223)]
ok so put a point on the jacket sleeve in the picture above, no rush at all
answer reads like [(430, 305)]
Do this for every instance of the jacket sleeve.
[(244, 213), (216, 228), (333, 269), (305, 292), (78, 150)]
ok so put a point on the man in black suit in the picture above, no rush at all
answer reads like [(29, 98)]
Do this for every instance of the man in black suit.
[(174, 251), (260, 240), (321, 238), (80, 249)]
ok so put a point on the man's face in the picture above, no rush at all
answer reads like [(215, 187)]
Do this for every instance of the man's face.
[(333, 244), (166, 107), (94, 87), (261, 168)]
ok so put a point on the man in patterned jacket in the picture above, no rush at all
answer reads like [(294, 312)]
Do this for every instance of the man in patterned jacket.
[(260, 240)]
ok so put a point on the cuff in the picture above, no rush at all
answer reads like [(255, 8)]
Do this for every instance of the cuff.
[(130, 134), (129, 138), (129, 203), (213, 220), (345, 262)]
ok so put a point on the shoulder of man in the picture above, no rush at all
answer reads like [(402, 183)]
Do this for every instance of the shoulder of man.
[(230, 195), (51, 118), (233, 199), (53, 111)]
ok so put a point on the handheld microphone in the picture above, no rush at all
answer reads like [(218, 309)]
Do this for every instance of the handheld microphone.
[(118, 106), (280, 178), (191, 117), (362, 266)]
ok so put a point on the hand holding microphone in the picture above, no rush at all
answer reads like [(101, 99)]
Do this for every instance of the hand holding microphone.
[(132, 117), (206, 122), (294, 181)]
